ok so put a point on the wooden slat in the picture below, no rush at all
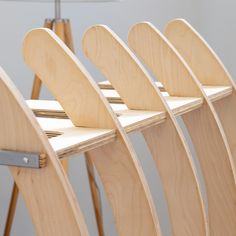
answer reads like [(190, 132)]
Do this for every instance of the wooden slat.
[(176, 79), (112, 95), (203, 61), (70, 140), (84, 104), (215, 93), (203, 124), (104, 48), (178, 105), (107, 85), (66, 139), (134, 120), (209, 70)]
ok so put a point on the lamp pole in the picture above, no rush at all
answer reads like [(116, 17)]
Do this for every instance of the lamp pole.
[(57, 9)]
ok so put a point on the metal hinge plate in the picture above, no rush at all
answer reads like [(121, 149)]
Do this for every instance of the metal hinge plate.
[(22, 159)]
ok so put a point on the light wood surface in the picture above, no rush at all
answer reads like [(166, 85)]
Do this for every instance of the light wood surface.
[(107, 85), (46, 191), (215, 93), (132, 82), (117, 156), (36, 88), (68, 34), (212, 92), (119, 76), (37, 82), (226, 110), (59, 29), (207, 67), (217, 170), (209, 71), (178, 105), (68, 140), (204, 127), (176, 79), (169, 155)]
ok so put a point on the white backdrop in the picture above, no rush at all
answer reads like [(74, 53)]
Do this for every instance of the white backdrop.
[(214, 19)]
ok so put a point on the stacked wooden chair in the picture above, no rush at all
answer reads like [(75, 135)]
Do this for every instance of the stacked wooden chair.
[(191, 84)]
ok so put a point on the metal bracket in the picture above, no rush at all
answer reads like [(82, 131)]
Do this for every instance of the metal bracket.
[(22, 159)]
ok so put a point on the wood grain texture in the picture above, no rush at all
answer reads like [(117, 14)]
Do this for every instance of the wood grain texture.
[(215, 93), (226, 110), (132, 208), (207, 135), (60, 30), (178, 105), (205, 64), (130, 120), (81, 113), (218, 171), (151, 47), (209, 71), (169, 155), (131, 81), (212, 92), (107, 85), (46, 191), (48, 23), (72, 85), (69, 140)]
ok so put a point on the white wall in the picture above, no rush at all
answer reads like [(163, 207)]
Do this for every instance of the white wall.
[(213, 18)]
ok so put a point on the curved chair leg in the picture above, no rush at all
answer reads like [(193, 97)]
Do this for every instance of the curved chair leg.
[(116, 163), (46, 191), (203, 124), (165, 140), (210, 72), (226, 110)]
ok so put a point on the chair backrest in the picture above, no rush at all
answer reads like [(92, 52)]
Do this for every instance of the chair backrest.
[(197, 53)]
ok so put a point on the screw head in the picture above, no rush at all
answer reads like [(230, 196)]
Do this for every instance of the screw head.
[(26, 160)]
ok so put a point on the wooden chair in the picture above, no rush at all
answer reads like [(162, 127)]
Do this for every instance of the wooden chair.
[(152, 116), (92, 128), (203, 124)]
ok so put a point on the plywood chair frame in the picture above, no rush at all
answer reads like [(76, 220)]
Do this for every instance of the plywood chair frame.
[(203, 124), (115, 161), (63, 29), (209, 71), (46, 191), (165, 140)]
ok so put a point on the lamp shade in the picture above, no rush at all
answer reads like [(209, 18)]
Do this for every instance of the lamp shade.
[(64, 1)]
